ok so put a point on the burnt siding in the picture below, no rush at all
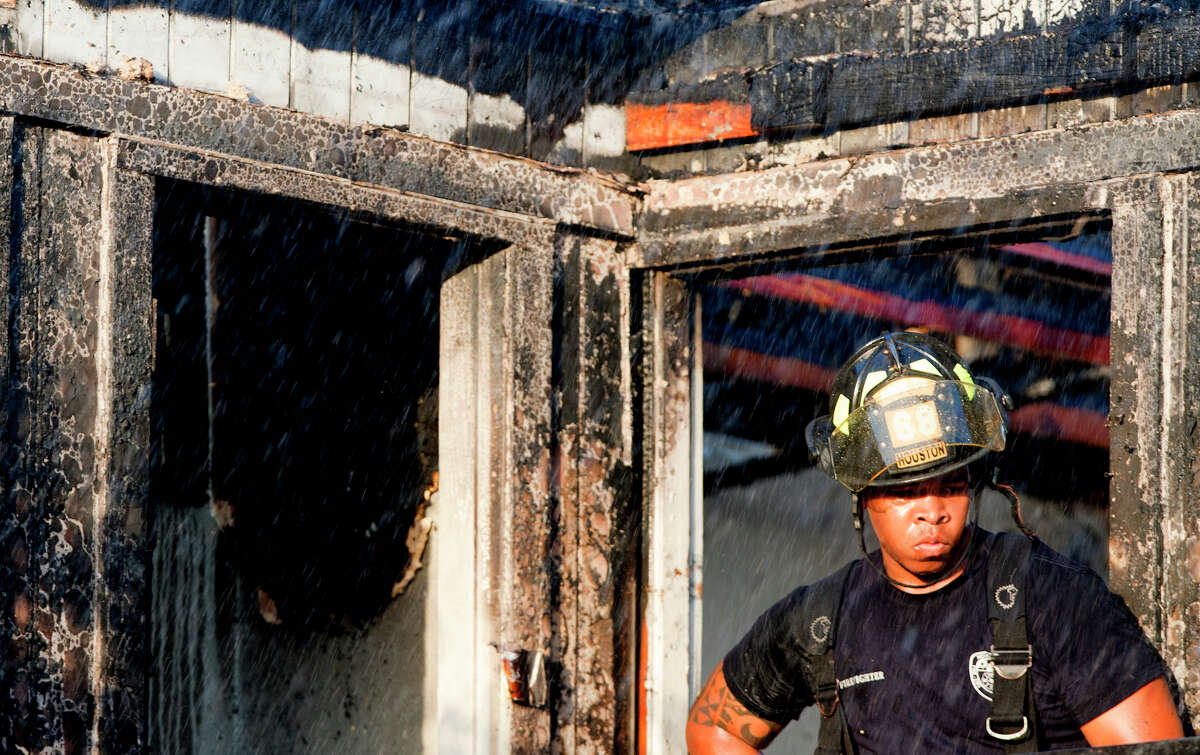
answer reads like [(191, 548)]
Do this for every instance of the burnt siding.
[(58, 480)]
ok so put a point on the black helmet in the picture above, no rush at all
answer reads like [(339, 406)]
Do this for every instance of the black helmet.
[(905, 408)]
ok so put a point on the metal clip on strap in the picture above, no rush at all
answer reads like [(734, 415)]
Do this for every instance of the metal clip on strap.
[(1008, 737), (1012, 663)]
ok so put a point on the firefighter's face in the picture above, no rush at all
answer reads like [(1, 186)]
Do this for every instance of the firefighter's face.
[(921, 527)]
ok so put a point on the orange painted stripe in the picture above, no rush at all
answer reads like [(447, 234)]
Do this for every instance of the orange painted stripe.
[(643, 663), (679, 123)]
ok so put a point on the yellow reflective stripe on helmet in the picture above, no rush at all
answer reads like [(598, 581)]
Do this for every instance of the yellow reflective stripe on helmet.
[(926, 366), (965, 376), (841, 410), (871, 380)]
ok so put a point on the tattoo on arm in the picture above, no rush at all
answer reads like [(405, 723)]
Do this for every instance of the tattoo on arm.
[(716, 706)]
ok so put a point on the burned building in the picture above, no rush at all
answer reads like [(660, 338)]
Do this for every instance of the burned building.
[(387, 377)]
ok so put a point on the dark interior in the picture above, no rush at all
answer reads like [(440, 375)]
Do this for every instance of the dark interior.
[(324, 370)]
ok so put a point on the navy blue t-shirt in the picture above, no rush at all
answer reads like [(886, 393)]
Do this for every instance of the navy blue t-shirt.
[(914, 671)]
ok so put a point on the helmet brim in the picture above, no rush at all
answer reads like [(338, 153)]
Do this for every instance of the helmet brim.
[(910, 430)]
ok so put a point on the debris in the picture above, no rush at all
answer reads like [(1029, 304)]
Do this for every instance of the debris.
[(222, 513), (524, 671), (267, 609), (135, 69), (235, 90), (417, 539)]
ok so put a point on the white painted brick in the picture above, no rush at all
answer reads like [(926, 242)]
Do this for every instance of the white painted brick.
[(75, 33), (938, 22), (859, 141), (139, 31), (802, 151), (734, 158), (199, 53), (674, 163), (321, 82), (380, 92), (1010, 16), (569, 148), (604, 131), (30, 24), (439, 108), (497, 111), (262, 59)]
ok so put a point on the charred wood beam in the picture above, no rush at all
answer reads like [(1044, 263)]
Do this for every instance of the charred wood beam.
[(1121, 53), (596, 518), (1154, 418), (860, 89), (986, 74), (449, 218), (76, 437), (824, 238)]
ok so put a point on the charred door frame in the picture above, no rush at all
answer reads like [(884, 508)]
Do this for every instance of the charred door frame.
[(535, 449), (474, 576), (495, 424), (1135, 171)]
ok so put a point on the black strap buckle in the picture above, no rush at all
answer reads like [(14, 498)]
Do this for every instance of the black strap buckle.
[(1012, 663), (827, 699)]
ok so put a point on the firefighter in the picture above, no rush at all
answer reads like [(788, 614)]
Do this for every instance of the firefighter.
[(948, 638)]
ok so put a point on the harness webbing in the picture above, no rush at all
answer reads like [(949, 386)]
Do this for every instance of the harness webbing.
[(822, 604), (1013, 719)]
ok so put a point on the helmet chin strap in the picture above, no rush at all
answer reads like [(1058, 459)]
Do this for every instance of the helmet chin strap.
[(941, 574)]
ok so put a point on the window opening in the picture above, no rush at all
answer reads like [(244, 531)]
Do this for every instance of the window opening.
[(1030, 310)]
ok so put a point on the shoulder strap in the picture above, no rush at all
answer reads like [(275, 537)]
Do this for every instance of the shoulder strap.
[(818, 635), (1013, 719)]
